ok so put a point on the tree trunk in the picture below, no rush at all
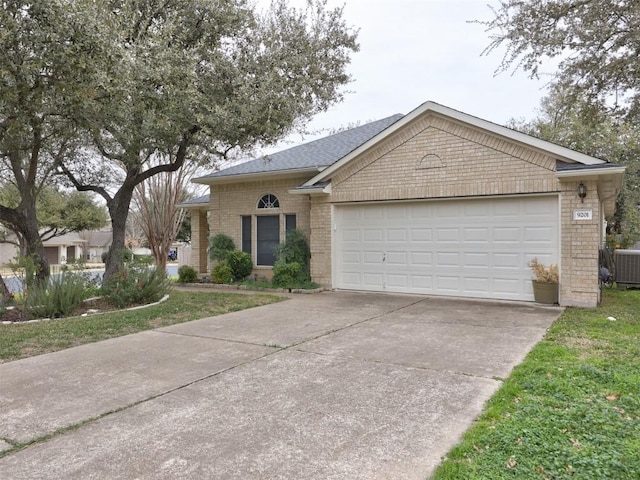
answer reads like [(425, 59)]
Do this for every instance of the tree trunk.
[(25, 224), (119, 211), (35, 250)]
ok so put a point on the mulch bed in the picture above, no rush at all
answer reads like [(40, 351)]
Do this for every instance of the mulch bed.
[(96, 305)]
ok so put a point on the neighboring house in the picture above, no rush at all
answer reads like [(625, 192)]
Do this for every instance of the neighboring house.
[(98, 242), (434, 202), (58, 250)]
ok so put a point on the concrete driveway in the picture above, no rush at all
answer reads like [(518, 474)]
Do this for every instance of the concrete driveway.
[(328, 386)]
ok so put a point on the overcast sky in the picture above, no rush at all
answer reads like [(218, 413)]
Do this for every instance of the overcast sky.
[(413, 51)]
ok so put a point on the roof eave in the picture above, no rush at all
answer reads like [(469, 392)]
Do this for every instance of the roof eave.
[(609, 181), (320, 190), (193, 205), (596, 172), (248, 177)]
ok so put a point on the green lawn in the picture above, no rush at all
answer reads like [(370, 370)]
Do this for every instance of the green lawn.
[(22, 340), (571, 410)]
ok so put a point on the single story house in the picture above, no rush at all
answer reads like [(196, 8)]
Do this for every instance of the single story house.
[(98, 242), (433, 202), (58, 250)]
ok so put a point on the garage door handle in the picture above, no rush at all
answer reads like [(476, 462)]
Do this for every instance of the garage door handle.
[(384, 257)]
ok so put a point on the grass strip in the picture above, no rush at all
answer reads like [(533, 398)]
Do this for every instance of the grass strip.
[(21, 340), (571, 410)]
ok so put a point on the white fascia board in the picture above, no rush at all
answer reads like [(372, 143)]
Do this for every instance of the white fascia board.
[(548, 148), (193, 205), (325, 190), (596, 172), (248, 177)]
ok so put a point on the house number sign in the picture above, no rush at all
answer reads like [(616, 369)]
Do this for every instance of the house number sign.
[(583, 214)]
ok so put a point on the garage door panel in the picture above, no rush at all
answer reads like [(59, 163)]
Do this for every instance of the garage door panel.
[(447, 234), (506, 260), (351, 279), (372, 235), (476, 234), (472, 247), (397, 281), (372, 258), (477, 285), (507, 211), (422, 283), (538, 234), (506, 234), (351, 235), (448, 284), (373, 281), (448, 210), (397, 235), (477, 209), (447, 259), (508, 286), (373, 213), (397, 258), (421, 258), (421, 234), (481, 260)]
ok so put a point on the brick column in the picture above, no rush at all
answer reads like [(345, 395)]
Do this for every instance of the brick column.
[(199, 240), (581, 240), (320, 241)]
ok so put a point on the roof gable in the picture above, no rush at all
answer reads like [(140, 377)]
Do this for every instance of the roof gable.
[(556, 151)]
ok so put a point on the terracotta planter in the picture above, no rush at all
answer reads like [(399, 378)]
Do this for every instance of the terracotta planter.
[(546, 293)]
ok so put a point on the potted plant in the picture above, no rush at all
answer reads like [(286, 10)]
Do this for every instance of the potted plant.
[(545, 285)]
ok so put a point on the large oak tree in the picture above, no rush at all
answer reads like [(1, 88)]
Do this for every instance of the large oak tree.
[(183, 76)]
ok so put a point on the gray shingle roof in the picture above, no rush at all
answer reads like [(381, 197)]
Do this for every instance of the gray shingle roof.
[(318, 153), (196, 201)]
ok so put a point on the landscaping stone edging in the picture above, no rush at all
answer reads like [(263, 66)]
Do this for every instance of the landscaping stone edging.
[(97, 312)]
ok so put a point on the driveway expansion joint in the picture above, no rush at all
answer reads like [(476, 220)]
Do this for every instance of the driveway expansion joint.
[(208, 337)]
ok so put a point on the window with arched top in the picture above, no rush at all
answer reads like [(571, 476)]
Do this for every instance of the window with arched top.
[(269, 201)]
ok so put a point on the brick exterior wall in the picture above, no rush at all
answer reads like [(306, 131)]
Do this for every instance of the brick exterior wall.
[(230, 201), (460, 162)]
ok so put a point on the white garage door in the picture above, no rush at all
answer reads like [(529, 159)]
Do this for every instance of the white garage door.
[(471, 248)]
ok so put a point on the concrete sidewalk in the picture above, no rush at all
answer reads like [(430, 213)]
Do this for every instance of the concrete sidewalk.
[(333, 385)]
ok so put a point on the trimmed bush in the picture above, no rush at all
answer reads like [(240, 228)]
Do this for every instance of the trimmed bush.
[(295, 249), (222, 272), (219, 246), (187, 274), (288, 275), (240, 263)]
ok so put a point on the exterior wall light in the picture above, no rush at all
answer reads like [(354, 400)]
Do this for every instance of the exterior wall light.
[(582, 191)]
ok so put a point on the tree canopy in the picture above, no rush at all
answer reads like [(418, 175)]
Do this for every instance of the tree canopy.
[(579, 125), (596, 42), (124, 81), (58, 211)]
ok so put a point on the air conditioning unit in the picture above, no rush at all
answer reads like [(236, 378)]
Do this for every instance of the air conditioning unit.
[(627, 268)]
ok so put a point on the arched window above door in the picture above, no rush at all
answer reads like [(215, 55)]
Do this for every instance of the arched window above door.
[(269, 201)]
